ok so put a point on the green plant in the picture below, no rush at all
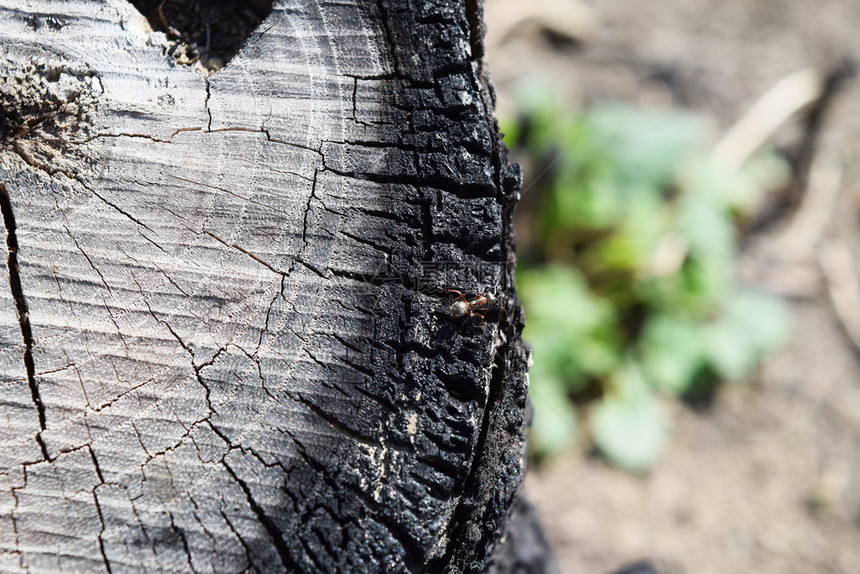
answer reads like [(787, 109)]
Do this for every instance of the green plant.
[(626, 271)]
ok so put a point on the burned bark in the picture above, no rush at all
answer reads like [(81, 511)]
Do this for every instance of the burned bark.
[(224, 339)]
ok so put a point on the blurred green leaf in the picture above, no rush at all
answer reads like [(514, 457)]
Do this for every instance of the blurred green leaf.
[(511, 132), (613, 164), (630, 428), (740, 192), (645, 146), (708, 227), (751, 325), (548, 124), (554, 423), (632, 244), (571, 331), (577, 201), (630, 292), (672, 352), (695, 289)]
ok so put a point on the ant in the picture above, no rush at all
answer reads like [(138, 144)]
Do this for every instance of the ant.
[(463, 307)]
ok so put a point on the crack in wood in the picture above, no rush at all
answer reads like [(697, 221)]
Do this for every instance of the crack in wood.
[(21, 307), (269, 525), (475, 17)]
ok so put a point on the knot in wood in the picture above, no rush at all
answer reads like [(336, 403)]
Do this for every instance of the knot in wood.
[(47, 106)]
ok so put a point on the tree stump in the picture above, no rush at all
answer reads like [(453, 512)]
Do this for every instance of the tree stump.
[(225, 343)]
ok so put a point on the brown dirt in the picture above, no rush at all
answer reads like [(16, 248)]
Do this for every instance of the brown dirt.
[(768, 480)]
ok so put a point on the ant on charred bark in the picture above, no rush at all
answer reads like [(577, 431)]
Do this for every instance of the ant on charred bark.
[(478, 306)]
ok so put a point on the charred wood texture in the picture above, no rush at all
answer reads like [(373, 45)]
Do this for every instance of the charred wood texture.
[(224, 338)]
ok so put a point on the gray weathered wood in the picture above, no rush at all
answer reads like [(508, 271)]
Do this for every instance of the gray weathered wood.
[(223, 339)]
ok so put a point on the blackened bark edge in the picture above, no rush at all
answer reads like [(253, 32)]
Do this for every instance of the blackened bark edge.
[(451, 126)]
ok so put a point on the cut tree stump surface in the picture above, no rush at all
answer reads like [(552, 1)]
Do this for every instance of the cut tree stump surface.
[(224, 341)]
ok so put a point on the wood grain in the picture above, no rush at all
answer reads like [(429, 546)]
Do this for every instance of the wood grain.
[(234, 292)]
